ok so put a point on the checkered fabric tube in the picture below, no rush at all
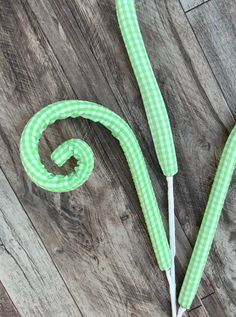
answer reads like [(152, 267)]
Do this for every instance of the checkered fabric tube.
[(82, 152), (151, 95), (209, 223)]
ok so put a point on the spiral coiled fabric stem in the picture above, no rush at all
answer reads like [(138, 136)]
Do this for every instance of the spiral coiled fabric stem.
[(82, 152)]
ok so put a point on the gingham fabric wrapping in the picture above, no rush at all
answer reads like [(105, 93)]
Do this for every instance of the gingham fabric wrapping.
[(209, 223), (60, 183), (151, 95)]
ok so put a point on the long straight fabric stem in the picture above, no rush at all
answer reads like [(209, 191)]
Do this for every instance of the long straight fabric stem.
[(170, 183), (209, 223), (154, 106)]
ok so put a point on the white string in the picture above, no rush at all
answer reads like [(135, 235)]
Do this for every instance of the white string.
[(172, 243)]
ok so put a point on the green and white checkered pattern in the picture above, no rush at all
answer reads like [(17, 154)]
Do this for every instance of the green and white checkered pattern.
[(209, 223), (82, 152), (151, 95)]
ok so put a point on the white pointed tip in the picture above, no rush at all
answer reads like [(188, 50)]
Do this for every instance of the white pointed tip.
[(181, 311), (168, 277)]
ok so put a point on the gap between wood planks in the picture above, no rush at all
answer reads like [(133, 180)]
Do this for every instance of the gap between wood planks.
[(7, 307), (194, 6)]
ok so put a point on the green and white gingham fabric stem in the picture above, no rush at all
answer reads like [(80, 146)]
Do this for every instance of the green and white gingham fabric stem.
[(156, 113), (153, 102), (82, 152), (209, 223)]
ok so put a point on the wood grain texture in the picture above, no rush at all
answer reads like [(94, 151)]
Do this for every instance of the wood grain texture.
[(96, 236), (192, 4), (26, 270), (7, 309), (214, 25)]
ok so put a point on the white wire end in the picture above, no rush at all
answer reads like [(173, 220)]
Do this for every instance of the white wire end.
[(181, 311), (168, 276), (171, 213), (172, 292)]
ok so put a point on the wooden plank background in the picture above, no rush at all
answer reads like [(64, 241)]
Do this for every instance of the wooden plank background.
[(87, 252)]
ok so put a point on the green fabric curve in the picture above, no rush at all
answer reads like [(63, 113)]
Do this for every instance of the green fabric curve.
[(82, 152)]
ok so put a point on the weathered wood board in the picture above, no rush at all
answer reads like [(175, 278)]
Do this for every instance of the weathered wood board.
[(26, 269), (96, 236), (214, 25)]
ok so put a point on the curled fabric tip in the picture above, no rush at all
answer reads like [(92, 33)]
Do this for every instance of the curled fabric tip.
[(181, 312), (83, 154)]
